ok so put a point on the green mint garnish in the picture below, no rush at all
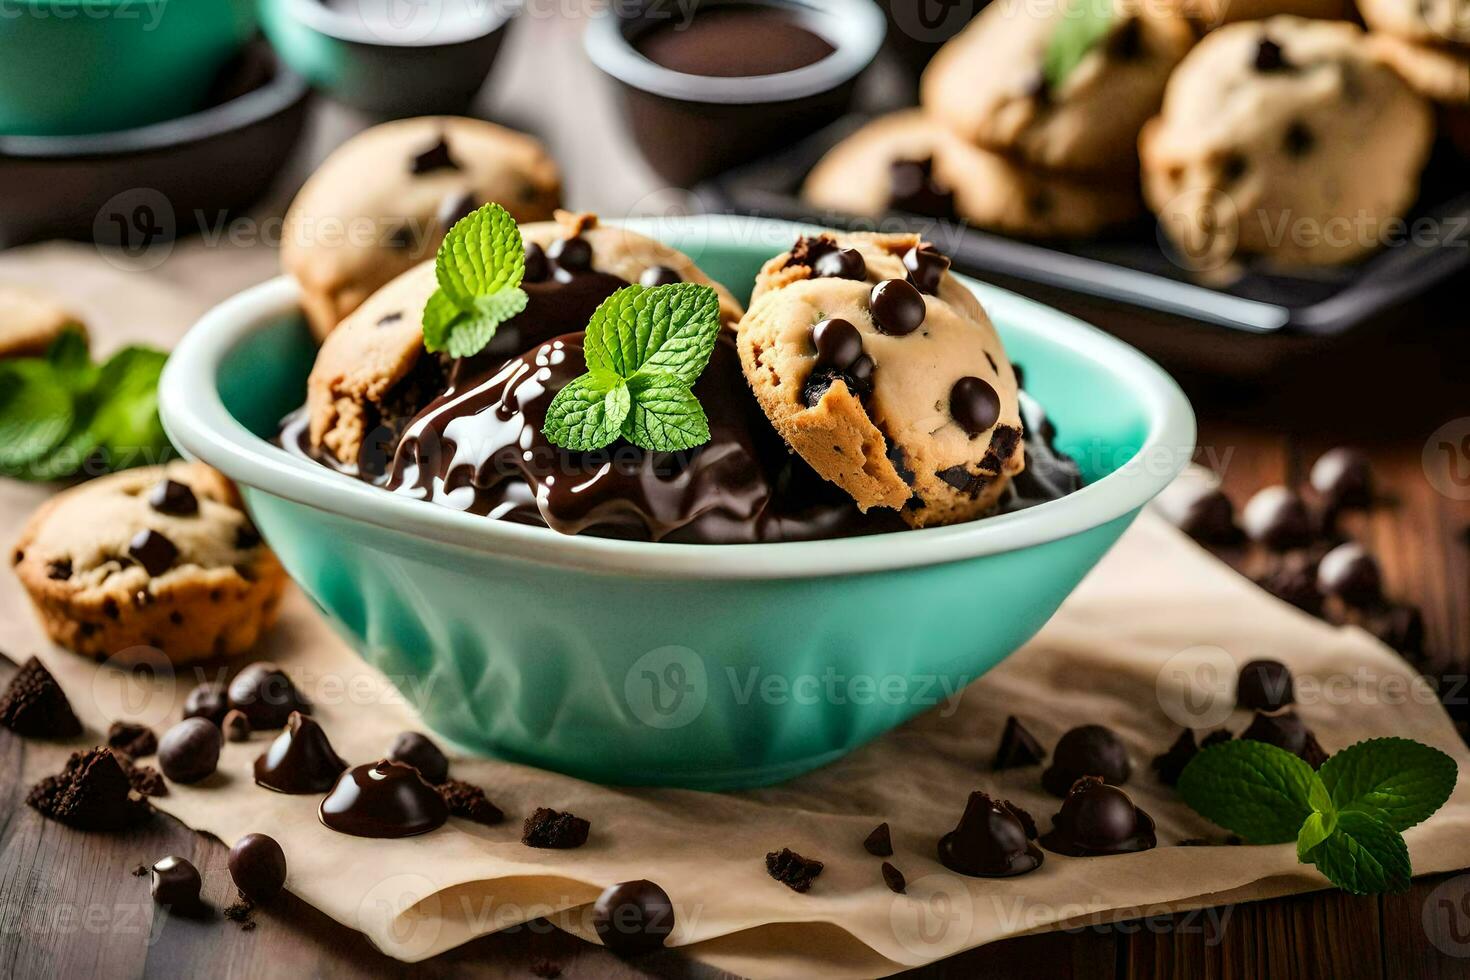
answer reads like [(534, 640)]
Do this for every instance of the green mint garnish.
[(1083, 25), (645, 348), (1346, 818), (479, 269)]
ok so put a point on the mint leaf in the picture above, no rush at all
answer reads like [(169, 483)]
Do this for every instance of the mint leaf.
[(664, 330), (1250, 788), (588, 413), (1396, 781), (37, 409), (1083, 26), (470, 333), (68, 354), (479, 269), (1319, 827), (666, 417), (1363, 856), (440, 314), (125, 419)]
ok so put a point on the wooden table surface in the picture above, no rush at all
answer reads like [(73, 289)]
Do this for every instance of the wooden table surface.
[(69, 907)]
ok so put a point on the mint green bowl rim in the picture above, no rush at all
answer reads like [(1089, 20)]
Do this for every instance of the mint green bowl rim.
[(199, 425)]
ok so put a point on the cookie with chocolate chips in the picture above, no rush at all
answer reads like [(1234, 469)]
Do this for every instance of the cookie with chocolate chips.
[(161, 557), (382, 202), (901, 397)]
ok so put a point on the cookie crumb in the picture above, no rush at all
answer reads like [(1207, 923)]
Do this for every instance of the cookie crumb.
[(468, 801), (554, 829), (792, 870), (92, 793), (35, 706), (133, 741), (240, 912)]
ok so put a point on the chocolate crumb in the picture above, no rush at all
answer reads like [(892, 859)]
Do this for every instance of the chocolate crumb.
[(91, 793), (554, 829), (468, 801), (546, 969), (792, 870), (1018, 747), (879, 843), (133, 741), (146, 780), (141, 871), (241, 912), (894, 879), (35, 706)]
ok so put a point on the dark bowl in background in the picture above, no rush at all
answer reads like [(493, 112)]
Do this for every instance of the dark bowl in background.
[(690, 127), (136, 186)]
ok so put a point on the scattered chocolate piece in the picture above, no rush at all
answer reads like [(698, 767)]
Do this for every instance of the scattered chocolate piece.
[(841, 263), (141, 871), (469, 801), (1343, 478), (990, 841), (1264, 685), (926, 267), (266, 696), (974, 404), (133, 741), (571, 254), (236, 726), (35, 706), (436, 157), (258, 867), (91, 793), (840, 356), (537, 268), (1398, 625), (897, 307), (454, 208), (1299, 140), (1269, 57), (659, 275), (1097, 819), (1278, 518), (1286, 731), (59, 569), (633, 917), (1293, 579), (383, 799), (207, 701), (554, 829), (1088, 750), (1017, 748), (879, 843), (175, 883), (173, 498), (420, 752), (1201, 510), (894, 879), (546, 970), (154, 551), (145, 780), (1351, 574), (792, 870), (300, 760), (1171, 763), (912, 187), (240, 913), (189, 751)]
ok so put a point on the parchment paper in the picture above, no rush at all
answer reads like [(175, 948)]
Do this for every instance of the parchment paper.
[(1157, 618)]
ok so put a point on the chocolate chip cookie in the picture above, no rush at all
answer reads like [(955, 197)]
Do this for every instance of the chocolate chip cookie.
[(30, 321), (160, 557), (909, 162), (990, 85), (382, 202), (1285, 138), (372, 375), (1430, 21)]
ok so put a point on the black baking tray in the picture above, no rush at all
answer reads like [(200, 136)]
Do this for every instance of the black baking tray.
[(1128, 283)]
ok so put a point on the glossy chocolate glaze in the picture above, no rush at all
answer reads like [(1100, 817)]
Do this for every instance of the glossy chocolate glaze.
[(733, 41), (383, 799)]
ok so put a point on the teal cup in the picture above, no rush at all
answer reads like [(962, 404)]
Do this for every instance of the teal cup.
[(703, 666), (71, 67)]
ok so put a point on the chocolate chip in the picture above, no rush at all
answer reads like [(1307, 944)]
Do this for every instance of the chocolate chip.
[(1232, 168), (266, 695), (301, 760), (926, 269), (133, 741), (808, 249), (1293, 579), (964, 481), (1172, 762), (1351, 574), (1126, 41), (454, 208), (420, 752), (838, 343), (912, 187), (1097, 819), (841, 263), (1040, 202), (153, 551), (59, 569), (1277, 518), (898, 308), (258, 867), (974, 404), (33, 705), (189, 751), (246, 536), (404, 237), (1088, 750), (469, 801), (207, 701), (1017, 748), (571, 254), (537, 267), (1299, 140), (991, 840), (436, 157), (1343, 478), (1264, 685), (894, 879), (91, 793), (633, 917), (1270, 58), (879, 843), (174, 883), (556, 829), (659, 275), (1286, 731), (236, 726), (174, 498), (792, 870)]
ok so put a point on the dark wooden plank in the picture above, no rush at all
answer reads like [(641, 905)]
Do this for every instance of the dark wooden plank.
[(1426, 931)]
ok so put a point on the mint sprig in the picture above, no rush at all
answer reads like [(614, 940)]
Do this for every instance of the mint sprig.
[(645, 348), (479, 268), (1347, 818), (1084, 24)]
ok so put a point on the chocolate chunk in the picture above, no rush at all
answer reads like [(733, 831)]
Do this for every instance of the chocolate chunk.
[(1088, 750), (838, 343), (879, 843), (963, 480), (898, 308), (894, 879), (1293, 578), (207, 701), (571, 254), (145, 780), (1264, 685), (154, 551), (133, 741), (807, 250), (91, 793), (189, 751), (383, 799), (537, 267), (469, 801), (420, 752), (1351, 574), (1343, 478), (1286, 731), (1126, 41), (1270, 58), (926, 268), (1097, 819), (1233, 167), (659, 275), (841, 263), (1298, 141), (174, 883), (436, 157), (174, 498), (550, 828), (1398, 625), (236, 726), (455, 208), (266, 696), (792, 870), (839, 348), (35, 706), (59, 569), (1201, 511), (258, 867), (912, 187), (974, 404), (1171, 763), (990, 841), (1017, 748), (1277, 518), (246, 536), (300, 760), (633, 917)]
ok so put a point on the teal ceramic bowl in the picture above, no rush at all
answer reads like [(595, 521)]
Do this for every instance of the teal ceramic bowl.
[(70, 67), (701, 666)]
